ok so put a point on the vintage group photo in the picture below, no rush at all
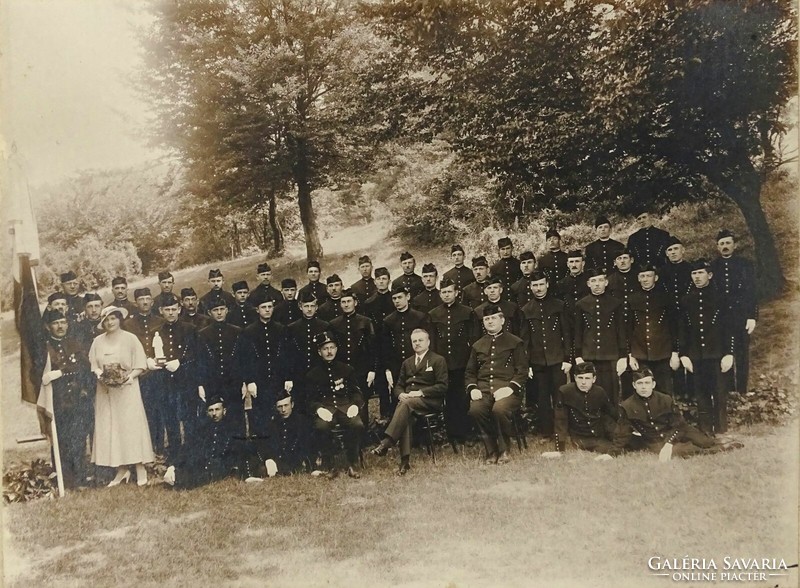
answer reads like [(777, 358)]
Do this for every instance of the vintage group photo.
[(408, 293)]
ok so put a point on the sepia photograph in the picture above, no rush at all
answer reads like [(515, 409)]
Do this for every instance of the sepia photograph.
[(400, 293)]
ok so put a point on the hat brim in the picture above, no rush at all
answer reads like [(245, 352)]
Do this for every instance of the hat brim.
[(107, 311)]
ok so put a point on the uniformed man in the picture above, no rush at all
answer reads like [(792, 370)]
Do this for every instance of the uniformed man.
[(706, 345), (220, 359), (119, 287), (396, 333), (454, 329), (241, 313), (653, 329), (210, 456), (649, 420), (408, 279), (459, 274), (332, 307), (429, 298), (574, 286), (303, 354), (166, 283), (493, 287), (648, 245), (474, 292), (287, 310), (264, 275), (507, 267), (521, 292), (495, 377), (584, 414), (144, 325), (69, 375), (358, 346), (601, 253), (377, 308), (86, 330), (189, 305), (57, 301), (335, 399), (735, 279), (545, 330), (71, 287), (622, 284), (600, 334), (288, 439), (553, 262), (175, 374), (317, 288), (421, 388), (217, 283), (675, 276), (364, 288), (265, 369)]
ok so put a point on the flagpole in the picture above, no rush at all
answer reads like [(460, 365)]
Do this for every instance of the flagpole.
[(57, 456)]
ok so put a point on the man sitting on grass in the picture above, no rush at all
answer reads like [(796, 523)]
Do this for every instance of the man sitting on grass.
[(649, 420), (583, 413)]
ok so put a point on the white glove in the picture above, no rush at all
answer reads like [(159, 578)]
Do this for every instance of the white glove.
[(674, 361), (352, 411), (370, 378), (622, 365), (503, 392), (325, 414), (389, 379), (288, 385), (530, 372), (603, 457), (687, 364), (151, 364), (169, 475), (252, 389), (201, 392), (416, 394), (50, 376), (551, 454), (272, 467), (666, 452), (750, 326), (565, 367), (726, 363), (98, 372), (475, 394), (173, 365), (633, 362)]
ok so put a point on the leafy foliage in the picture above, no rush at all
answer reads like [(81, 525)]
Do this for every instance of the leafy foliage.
[(28, 482)]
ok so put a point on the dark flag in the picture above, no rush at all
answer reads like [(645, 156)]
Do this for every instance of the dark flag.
[(29, 326)]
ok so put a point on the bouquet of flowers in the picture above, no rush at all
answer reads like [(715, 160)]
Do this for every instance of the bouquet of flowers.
[(113, 375)]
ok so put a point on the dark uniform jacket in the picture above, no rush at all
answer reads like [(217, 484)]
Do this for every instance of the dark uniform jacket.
[(269, 292), (396, 335), (265, 348), (289, 442), (657, 420), (303, 352), (180, 342), (207, 457), (599, 328), (454, 329), (75, 307), (84, 333), (510, 310), (206, 298), (286, 312), (554, 265), (333, 385), (318, 289), (158, 302), (144, 327), (426, 300), (413, 282), (126, 304), (474, 295), (653, 330), (357, 343), (571, 289), (705, 330), (676, 280), (621, 286), (521, 292), (546, 332), (735, 280), (364, 289), (649, 246), (508, 271), (429, 377), (601, 254), (73, 388), (330, 310), (462, 276), (241, 315), (496, 362), (582, 414), (220, 360), (197, 320)]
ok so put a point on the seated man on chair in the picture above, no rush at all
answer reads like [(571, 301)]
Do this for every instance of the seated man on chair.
[(420, 389), (335, 399)]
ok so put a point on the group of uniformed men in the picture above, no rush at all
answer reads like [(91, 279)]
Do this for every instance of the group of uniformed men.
[(294, 369)]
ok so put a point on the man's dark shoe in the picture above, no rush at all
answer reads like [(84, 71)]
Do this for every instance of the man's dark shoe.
[(490, 459), (504, 458), (332, 474), (353, 473), (405, 467), (380, 450)]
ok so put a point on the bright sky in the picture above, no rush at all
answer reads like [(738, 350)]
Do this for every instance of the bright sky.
[(67, 99)]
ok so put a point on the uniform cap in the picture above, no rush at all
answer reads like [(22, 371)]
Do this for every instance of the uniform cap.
[(480, 261), (492, 309), (526, 256), (171, 300), (214, 273), (405, 255), (306, 296), (312, 263), (382, 271), (288, 283), (164, 276), (68, 276), (333, 279), (139, 292), (456, 247), (56, 296), (364, 259), (428, 268), (91, 297), (321, 339), (184, 293), (51, 316), (504, 242), (240, 285), (601, 220), (263, 267), (119, 280), (724, 234), (399, 289), (551, 233)]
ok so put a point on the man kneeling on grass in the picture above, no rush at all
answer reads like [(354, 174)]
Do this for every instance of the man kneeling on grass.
[(583, 414), (649, 420), (208, 456)]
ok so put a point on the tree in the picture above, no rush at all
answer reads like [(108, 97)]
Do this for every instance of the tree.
[(261, 95)]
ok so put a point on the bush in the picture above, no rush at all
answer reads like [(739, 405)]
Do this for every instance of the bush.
[(29, 482)]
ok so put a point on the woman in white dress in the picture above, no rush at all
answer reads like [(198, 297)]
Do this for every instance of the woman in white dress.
[(121, 434)]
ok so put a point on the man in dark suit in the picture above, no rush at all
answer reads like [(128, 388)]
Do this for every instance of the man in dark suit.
[(408, 280), (601, 253), (166, 283), (365, 287), (264, 288), (428, 299), (376, 308), (119, 287), (332, 307), (494, 296), (460, 274), (70, 285), (189, 305), (473, 293), (649, 244), (553, 262), (240, 313), (573, 287), (217, 282), (521, 293), (302, 354), (420, 389), (315, 286), (286, 309), (507, 267)]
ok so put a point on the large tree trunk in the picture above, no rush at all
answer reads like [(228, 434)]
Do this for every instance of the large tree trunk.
[(744, 189), (278, 243), (307, 216)]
